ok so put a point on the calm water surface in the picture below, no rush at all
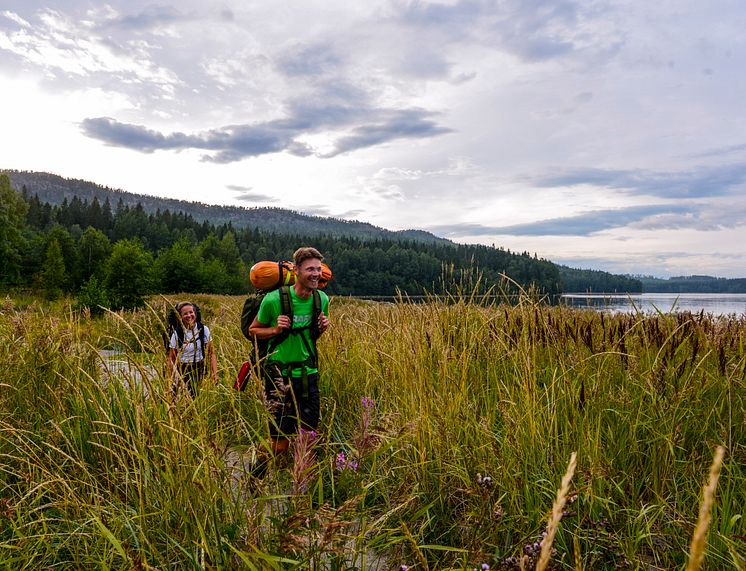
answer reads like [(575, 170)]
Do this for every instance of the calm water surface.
[(714, 303)]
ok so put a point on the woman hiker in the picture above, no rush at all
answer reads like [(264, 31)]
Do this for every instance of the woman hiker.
[(188, 350)]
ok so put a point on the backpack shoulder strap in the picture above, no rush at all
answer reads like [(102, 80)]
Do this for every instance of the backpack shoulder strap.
[(313, 329), (316, 302), (286, 308), (180, 335), (315, 313), (201, 329), (286, 303)]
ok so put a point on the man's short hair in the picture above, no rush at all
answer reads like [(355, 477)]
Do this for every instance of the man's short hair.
[(306, 253)]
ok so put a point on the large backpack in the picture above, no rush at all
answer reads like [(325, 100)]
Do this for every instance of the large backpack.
[(262, 347), (252, 303), (173, 324)]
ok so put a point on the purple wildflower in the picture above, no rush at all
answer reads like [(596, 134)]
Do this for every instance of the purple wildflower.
[(311, 435), (345, 463)]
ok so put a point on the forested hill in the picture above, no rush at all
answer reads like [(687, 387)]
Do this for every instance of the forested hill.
[(596, 281), (181, 237), (55, 190), (693, 284)]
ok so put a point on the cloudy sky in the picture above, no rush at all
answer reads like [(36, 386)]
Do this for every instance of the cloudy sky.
[(606, 134)]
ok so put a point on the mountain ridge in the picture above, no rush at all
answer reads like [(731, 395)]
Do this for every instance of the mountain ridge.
[(54, 189)]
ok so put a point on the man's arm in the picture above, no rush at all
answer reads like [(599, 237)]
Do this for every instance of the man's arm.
[(264, 331), (323, 323), (324, 314)]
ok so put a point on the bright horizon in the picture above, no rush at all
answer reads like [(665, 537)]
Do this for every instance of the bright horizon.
[(605, 135)]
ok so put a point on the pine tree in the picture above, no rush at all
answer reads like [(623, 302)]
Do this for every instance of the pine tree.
[(53, 276), (107, 223), (95, 216)]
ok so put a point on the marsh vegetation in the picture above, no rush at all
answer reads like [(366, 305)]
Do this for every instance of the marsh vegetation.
[(446, 430)]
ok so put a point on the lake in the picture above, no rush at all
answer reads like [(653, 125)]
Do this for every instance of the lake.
[(710, 303), (713, 303)]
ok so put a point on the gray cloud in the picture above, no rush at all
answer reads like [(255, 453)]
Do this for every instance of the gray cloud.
[(236, 142), (150, 17), (253, 197), (532, 30), (458, 17), (133, 136), (698, 183), (703, 217), (352, 214), (240, 141), (247, 194), (720, 151), (339, 111), (316, 210), (230, 144), (309, 60), (584, 224), (405, 124)]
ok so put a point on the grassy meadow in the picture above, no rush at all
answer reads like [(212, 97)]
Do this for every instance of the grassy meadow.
[(453, 435)]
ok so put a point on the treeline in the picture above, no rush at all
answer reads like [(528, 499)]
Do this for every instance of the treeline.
[(115, 255), (693, 284), (596, 281), (55, 190)]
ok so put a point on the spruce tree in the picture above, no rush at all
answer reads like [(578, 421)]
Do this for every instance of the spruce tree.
[(53, 275)]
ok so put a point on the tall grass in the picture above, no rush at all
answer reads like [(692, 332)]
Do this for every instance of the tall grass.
[(446, 428)]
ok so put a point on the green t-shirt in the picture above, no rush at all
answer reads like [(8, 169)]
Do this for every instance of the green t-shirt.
[(293, 349)]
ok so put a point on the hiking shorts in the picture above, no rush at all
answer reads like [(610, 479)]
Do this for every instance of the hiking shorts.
[(282, 398)]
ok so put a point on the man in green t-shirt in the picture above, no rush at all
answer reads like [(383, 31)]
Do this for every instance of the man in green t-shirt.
[(291, 372)]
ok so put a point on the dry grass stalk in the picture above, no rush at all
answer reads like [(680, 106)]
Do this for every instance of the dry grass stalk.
[(699, 539), (559, 505)]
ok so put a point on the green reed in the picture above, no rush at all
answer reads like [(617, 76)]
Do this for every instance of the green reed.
[(454, 418)]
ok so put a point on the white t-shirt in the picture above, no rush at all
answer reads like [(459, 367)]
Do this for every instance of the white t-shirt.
[(191, 343)]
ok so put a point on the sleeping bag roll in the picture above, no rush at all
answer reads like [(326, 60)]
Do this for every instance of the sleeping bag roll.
[(268, 275)]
